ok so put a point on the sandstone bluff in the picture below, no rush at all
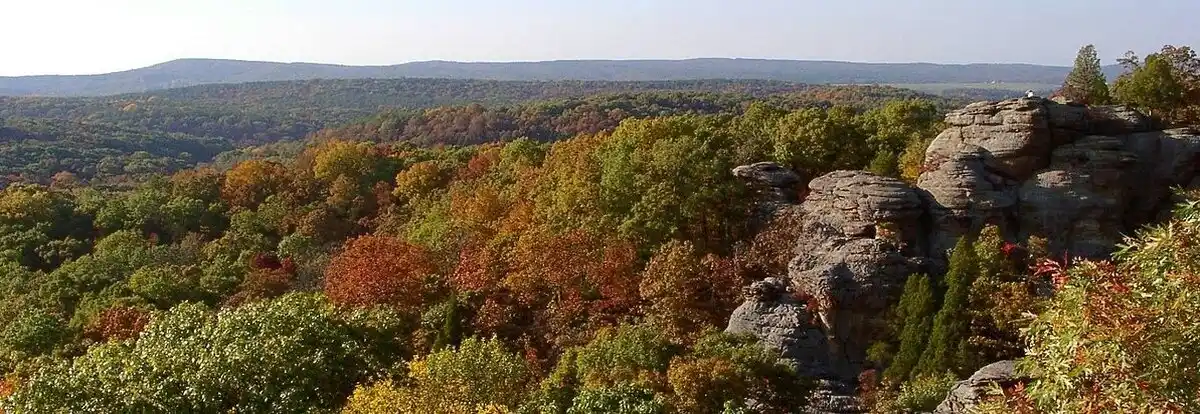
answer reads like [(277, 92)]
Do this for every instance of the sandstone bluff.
[(1082, 177)]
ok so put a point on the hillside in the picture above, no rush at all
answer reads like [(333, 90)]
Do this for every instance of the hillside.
[(97, 137), (190, 72), (262, 112)]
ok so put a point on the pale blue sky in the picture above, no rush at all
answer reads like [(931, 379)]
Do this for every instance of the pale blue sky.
[(95, 36)]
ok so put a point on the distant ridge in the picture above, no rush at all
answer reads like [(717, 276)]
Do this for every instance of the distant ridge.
[(191, 72)]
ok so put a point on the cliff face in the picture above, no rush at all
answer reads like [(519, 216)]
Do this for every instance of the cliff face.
[(1081, 177)]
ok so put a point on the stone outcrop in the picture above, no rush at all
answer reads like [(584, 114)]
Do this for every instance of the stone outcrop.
[(1080, 177), (776, 187), (851, 260), (966, 395)]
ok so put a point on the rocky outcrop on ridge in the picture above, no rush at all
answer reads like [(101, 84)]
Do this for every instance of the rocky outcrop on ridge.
[(1079, 176)]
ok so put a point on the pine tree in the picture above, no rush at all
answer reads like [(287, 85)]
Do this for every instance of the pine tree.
[(1086, 83), (916, 311), (947, 340)]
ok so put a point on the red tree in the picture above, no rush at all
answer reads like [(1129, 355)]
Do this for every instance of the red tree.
[(379, 270), (117, 323)]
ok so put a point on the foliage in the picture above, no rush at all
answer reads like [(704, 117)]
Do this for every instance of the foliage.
[(1001, 298), (916, 310), (1166, 85), (946, 350), (921, 394), (292, 355), (684, 296), (1121, 337), (377, 270), (1086, 84), (723, 372), (478, 376), (620, 399)]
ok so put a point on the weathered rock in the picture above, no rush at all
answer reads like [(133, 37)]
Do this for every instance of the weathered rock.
[(856, 203), (1081, 198), (966, 395), (775, 185), (850, 260), (768, 174), (1117, 120), (1079, 176), (772, 314)]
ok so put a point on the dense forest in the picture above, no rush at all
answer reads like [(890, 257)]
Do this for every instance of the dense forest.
[(578, 255), (188, 125)]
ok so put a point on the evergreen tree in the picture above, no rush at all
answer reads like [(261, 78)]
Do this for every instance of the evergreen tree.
[(885, 163), (1086, 83), (916, 311), (450, 334), (947, 340)]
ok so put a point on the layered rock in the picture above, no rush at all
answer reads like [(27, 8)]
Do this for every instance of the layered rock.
[(968, 394), (851, 260), (1080, 177), (775, 186)]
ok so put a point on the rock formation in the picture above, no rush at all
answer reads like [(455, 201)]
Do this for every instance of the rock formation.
[(1079, 176), (966, 395), (776, 188)]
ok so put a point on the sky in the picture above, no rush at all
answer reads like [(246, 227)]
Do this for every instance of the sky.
[(90, 36)]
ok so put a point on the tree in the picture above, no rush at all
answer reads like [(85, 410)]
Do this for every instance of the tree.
[(249, 183), (1086, 83), (1151, 87), (379, 270), (723, 372), (628, 354), (477, 376), (682, 295), (1121, 336), (916, 311), (947, 339), (1000, 298), (294, 354), (816, 141)]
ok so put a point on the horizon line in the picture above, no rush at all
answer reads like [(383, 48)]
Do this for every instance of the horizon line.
[(469, 62)]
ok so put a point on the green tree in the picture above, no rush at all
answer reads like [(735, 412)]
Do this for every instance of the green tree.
[(293, 354), (947, 339), (916, 310), (1151, 87), (625, 398), (477, 376), (1000, 298), (1086, 83), (816, 141)]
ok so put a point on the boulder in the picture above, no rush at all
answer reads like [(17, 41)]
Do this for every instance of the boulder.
[(966, 395), (1080, 176)]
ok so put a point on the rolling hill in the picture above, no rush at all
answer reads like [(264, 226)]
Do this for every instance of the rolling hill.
[(191, 72)]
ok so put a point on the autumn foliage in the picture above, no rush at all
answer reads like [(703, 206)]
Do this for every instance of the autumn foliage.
[(379, 270), (118, 323)]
